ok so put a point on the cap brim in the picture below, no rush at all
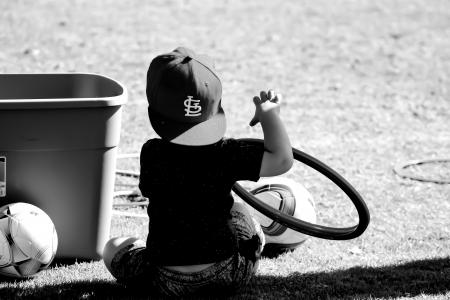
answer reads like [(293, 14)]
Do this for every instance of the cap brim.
[(204, 133)]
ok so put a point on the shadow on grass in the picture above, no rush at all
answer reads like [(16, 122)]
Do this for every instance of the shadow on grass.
[(422, 277)]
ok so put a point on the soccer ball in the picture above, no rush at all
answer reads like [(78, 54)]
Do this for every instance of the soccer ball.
[(290, 198), (28, 240)]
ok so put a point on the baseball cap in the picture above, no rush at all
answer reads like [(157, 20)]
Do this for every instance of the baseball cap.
[(184, 96)]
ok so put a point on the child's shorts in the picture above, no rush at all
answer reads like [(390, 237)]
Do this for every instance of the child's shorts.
[(131, 267)]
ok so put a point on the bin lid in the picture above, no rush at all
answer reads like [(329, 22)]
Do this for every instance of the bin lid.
[(59, 91)]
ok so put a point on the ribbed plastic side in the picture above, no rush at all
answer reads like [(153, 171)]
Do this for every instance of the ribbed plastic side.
[(61, 153)]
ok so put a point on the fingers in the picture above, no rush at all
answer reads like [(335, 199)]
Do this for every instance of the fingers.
[(277, 99), (264, 96), (267, 96), (271, 94), (257, 100), (273, 97)]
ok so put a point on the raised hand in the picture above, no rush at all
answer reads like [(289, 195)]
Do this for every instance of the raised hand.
[(267, 102)]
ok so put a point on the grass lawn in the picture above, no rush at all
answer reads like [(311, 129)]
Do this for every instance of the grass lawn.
[(366, 86)]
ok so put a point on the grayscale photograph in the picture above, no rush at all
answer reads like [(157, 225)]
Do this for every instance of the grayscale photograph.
[(201, 149)]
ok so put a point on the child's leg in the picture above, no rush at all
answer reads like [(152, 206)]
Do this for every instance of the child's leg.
[(113, 246), (125, 258), (250, 239), (224, 276), (245, 226)]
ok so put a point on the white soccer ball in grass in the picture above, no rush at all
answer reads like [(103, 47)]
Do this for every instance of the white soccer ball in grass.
[(290, 198), (28, 240)]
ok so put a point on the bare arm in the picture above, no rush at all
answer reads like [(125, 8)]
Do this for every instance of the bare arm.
[(278, 157)]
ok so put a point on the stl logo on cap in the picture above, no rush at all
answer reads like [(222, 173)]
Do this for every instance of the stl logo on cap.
[(192, 107)]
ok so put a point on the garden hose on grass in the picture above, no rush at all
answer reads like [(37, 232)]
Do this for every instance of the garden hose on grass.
[(400, 170), (129, 193)]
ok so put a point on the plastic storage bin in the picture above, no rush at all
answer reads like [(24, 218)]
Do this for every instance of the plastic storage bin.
[(58, 142)]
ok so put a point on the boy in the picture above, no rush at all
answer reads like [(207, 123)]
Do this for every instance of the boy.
[(199, 239)]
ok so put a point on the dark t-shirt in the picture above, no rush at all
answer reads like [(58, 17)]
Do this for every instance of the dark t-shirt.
[(189, 188)]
